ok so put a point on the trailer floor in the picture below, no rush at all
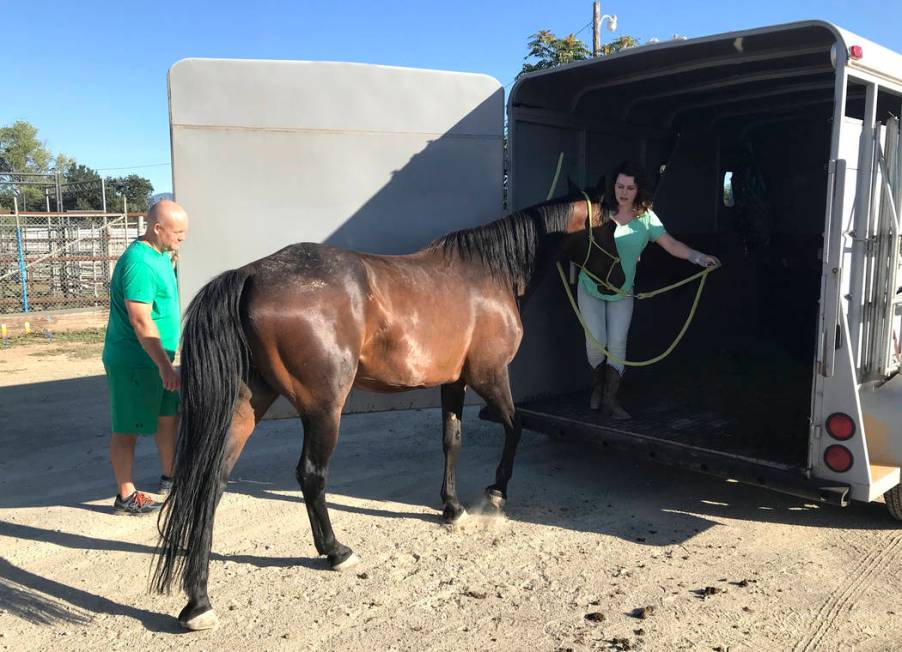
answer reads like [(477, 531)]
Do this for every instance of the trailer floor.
[(770, 435)]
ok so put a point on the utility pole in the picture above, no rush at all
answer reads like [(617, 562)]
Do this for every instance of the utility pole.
[(596, 28)]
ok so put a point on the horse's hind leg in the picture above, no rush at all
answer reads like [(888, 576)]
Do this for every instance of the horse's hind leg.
[(252, 404), (496, 390), (320, 438), (452, 408)]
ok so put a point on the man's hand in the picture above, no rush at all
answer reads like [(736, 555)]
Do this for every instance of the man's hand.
[(171, 378)]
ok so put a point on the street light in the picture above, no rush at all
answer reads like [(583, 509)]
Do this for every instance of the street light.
[(597, 19)]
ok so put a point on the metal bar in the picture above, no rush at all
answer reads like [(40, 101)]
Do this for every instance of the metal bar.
[(894, 213), (744, 97), (62, 247), (734, 81), (83, 258), (26, 183), (22, 272), (869, 290), (75, 214), (59, 194), (832, 278), (51, 301), (860, 227), (792, 110), (888, 254), (713, 62)]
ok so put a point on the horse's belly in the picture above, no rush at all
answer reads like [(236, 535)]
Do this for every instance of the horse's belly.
[(407, 362)]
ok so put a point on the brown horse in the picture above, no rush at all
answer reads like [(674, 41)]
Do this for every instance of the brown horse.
[(310, 322)]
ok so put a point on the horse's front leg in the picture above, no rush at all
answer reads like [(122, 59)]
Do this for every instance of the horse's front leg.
[(250, 408), (320, 438), (495, 389), (452, 409)]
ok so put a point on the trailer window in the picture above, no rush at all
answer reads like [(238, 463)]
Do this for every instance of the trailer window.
[(728, 200)]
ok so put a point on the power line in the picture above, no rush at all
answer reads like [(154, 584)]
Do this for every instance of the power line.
[(134, 167)]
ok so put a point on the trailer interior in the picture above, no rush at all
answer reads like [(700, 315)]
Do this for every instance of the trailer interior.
[(735, 136)]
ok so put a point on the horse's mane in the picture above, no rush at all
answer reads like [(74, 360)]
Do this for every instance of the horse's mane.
[(507, 247)]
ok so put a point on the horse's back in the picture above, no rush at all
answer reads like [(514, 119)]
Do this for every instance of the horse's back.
[(387, 322)]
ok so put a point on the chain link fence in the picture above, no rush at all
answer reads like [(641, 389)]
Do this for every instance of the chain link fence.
[(59, 261)]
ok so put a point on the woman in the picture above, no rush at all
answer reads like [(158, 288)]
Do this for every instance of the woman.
[(608, 314)]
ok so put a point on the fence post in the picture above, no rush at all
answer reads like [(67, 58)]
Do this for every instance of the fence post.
[(21, 255), (105, 240)]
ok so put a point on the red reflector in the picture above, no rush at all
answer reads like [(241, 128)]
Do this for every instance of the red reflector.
[(855, 52), (838, 458), (840, 426)]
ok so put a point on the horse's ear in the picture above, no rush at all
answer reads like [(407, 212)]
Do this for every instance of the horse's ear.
[(601, 186), (572, 188), (601, 189)]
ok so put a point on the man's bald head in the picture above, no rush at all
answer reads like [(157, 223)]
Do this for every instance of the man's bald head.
[(164, 211), (167, 224)]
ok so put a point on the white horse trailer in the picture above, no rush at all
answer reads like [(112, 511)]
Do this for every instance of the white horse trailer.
[(776, 149)]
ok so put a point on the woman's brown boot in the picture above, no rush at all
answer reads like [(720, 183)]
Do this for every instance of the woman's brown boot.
[(609, 405), (597, 387)]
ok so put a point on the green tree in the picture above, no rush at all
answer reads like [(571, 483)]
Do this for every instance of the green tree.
[(84, 189), (549, 51), (22, 151), (136, 189), (620, 43)]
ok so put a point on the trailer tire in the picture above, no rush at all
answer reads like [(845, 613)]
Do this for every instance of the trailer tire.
[(893, 499)]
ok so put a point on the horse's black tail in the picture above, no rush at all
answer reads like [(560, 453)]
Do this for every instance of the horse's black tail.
[(215, 361)]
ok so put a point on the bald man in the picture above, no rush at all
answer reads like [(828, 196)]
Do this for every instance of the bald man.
[(141, 340)]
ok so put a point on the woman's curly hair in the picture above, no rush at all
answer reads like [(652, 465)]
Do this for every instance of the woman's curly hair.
[(643, 195)]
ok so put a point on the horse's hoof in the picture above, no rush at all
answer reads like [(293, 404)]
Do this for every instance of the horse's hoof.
[(495, 497), (347, 564), (206, 620), (453, 515)]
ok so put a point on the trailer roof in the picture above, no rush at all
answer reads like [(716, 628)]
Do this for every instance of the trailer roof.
[(777, 68)]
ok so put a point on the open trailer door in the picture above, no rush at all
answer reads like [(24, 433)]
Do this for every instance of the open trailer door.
[(371, 158)]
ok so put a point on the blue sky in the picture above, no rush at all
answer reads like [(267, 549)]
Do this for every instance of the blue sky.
[(91, 75)]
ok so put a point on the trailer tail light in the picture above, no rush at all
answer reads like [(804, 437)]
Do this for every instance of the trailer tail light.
[(838, 458), (856, 52), (840, 426)]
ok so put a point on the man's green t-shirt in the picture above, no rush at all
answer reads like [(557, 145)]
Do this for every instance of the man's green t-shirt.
[(631, 240), (145, 275)]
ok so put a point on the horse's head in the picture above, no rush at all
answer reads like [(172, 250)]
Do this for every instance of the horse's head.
[(566, 224), (590, 235), (584, 201)]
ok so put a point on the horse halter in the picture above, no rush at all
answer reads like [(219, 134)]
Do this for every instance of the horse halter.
[(615, 260)]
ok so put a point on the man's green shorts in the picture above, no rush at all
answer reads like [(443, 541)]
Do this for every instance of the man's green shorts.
[(137, 398)]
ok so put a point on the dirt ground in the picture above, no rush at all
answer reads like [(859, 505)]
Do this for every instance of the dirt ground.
[(596, 550)]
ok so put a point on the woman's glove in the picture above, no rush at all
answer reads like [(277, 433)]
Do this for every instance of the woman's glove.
[(702, 260)]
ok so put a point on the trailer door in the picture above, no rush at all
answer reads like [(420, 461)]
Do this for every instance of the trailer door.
[(364, 157)]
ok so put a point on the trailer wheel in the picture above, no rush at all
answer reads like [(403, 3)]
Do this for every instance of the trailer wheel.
[(893, 499)]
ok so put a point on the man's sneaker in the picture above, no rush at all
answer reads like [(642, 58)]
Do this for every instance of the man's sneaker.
[(137, 503), (165, 485)]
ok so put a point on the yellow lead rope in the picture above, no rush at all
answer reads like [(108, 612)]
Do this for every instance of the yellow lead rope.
[(703, 275), (610, 355)]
